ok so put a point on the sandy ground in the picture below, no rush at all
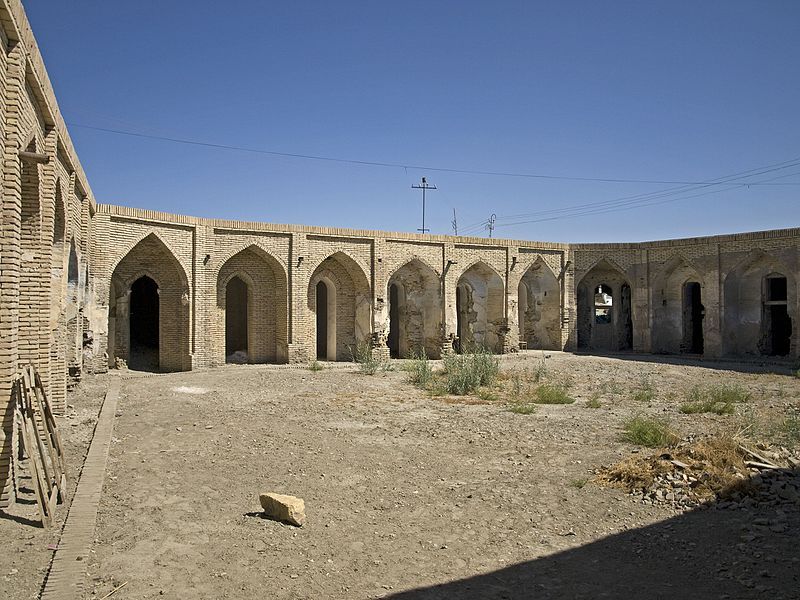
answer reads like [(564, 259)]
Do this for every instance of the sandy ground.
[(412, 496)]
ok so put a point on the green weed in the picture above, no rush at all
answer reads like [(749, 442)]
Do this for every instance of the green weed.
[(650, 432)]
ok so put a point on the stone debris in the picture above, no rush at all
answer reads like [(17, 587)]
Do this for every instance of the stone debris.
[(685, 484), (281, 507)]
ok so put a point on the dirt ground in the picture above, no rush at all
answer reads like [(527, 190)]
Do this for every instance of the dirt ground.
[(27, 547), (412, 496)]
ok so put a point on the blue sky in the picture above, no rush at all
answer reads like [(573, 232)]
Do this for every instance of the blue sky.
[(662, 91)]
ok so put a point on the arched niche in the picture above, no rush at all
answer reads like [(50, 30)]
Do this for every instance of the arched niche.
[(132, 310), (415, 311), (343, 308), (539, 305), (678, 310), (760, 308), (480, 309), (261, 311)]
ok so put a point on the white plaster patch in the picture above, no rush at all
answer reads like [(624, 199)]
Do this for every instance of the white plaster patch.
[(190, 390)]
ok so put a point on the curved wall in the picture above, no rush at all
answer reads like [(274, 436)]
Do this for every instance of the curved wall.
[(708, 296)]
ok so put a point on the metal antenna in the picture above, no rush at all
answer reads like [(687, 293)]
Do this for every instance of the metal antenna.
[(490, 224), (454, 223), (423, 186)]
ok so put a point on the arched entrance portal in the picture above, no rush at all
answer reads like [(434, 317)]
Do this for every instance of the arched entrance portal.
[(236, 301), (604, 310), (148, 310), (144, 325)]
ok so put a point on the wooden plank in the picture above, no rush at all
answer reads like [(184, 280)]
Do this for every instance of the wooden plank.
[(40, 487), (53, 458)]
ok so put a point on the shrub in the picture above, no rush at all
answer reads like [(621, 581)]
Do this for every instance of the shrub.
[(465, 373), (420, 370), (649, 431), (593, 403), (362, 354), (315, 365), (540, 370), (717, 399), (552, 394)]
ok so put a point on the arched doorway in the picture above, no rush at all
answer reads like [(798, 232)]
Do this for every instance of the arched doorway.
[(693, 315), (144, 325), (393, 339), (604, 310), (326, 325), (236, 310), (148, 312)]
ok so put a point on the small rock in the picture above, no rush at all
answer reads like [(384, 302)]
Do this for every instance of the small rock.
[(288, 509)]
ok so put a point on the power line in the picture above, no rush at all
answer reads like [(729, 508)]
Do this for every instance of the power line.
[(372, 163), (730, 180), (603, 210)]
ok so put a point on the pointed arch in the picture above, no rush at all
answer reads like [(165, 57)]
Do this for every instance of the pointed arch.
[(480, 308), (753, 322), (347, 307), (151, 237), (262, 312), (605, 320), (677, 310), (414, 291), (539, 306), (132, 296)]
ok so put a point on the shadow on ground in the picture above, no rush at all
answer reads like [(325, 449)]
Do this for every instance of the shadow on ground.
[(701, 554), (766, 364)]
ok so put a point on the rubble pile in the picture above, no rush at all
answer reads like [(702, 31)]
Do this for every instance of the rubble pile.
[(716, 474)]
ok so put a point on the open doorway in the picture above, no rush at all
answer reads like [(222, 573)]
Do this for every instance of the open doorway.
[(322, 320), (693, 314), (144, 325), (236, 347), (393, 341), (776, 324)]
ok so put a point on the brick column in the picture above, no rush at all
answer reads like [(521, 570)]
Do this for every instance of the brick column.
[(298, 274)]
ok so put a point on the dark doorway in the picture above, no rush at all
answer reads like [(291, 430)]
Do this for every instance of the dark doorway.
[(144, 325), (393, 341), (322, 320), (780, 328), (693, 314), (626, 333), (236, 346), (459, 320), (776, 324)]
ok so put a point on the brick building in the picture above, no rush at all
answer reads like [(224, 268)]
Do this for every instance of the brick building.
[(86, 286)]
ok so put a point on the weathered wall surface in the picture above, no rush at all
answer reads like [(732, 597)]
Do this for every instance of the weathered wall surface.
[(471, 290)]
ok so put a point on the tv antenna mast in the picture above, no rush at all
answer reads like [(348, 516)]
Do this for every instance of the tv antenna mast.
[(424, 186)]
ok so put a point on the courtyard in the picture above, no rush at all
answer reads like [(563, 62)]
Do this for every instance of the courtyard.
[(411, 494)]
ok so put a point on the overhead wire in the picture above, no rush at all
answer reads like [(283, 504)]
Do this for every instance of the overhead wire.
[(374, 163)]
